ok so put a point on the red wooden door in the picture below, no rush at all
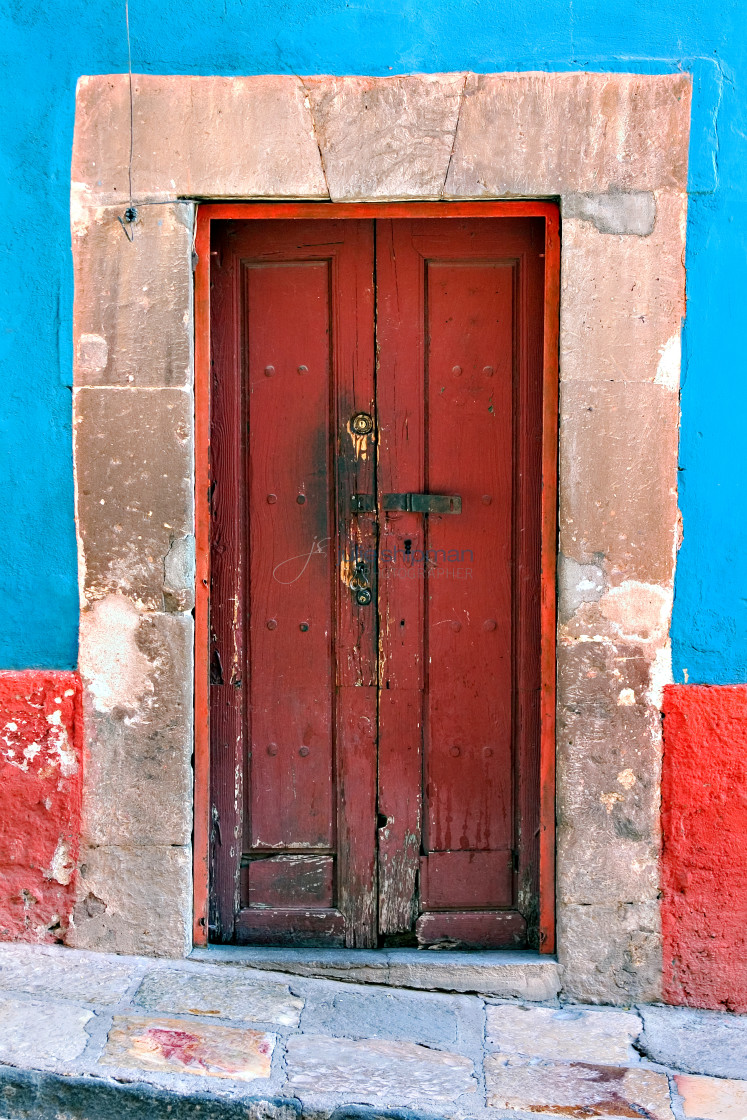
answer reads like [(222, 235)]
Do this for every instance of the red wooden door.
[(375, 649)]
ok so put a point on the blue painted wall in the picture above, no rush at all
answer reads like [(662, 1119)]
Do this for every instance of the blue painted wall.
[(45, 46)]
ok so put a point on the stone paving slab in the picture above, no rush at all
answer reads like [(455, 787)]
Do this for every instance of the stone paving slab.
[(191, 1038), (708, 1042), (178, 1046), (576, 1089), (229, 994), (564, 1033), (378, 1071), (712, 1098)]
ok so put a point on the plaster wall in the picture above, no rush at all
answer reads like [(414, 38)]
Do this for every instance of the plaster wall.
[(46, 46)]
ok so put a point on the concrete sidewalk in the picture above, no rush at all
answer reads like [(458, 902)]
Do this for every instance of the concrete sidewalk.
[(86, 1035)]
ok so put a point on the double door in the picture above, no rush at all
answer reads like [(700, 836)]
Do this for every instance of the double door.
[(376, 453)]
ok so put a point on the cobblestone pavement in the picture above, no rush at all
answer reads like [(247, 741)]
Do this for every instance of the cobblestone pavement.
[(86, 1035)]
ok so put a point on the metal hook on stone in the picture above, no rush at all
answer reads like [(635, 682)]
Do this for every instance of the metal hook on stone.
[(130, 216)]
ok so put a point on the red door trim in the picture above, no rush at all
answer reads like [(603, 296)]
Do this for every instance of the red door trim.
[(246, 210)]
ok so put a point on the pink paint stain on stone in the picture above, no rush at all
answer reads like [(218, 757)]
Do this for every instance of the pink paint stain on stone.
[(204, 1049)]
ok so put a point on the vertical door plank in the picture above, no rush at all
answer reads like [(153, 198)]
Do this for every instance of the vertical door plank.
[(400, 387), (357, 630), (227, 603)]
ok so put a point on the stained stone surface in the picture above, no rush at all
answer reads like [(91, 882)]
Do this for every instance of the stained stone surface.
[(693, 1041), (228, 994), (576, 1089), (87, 978), (181, 1046), (377, 1070), (566, 1033), (40, 1031), (712, 1098), (385, 138)]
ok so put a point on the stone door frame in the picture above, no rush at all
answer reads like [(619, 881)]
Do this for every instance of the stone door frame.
[(613, 149)]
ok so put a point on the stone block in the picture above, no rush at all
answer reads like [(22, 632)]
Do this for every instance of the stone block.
[(357, 1013), (610, 953), (227, 993), (376, 1071), (36, 1032), (134, 488), (623, 298), (134, 900), (712, 1098), (385, 138), (608, 766), (577, 1089), (179, 1046), (707, 1042), (56, 973), (132, 320), (503, 973), (618, 484), (564, 1034), (195, 137), (546, 134), (138, 674)]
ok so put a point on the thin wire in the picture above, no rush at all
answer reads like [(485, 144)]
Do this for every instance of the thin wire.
[(132, 111)]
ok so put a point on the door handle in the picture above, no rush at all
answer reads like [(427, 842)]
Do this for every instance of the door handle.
[(408, 503)]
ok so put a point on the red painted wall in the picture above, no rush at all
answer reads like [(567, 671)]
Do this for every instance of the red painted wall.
[(704, 863), (41, 770)]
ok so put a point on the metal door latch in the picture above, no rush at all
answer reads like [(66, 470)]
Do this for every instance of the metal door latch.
[(408, 503), (422, 503)]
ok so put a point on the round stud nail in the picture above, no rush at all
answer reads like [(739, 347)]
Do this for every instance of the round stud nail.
[(456, 626), (488, 371), (271, 499), (272, 748), (487, 752), (303, 627), (486, 499), (454, 752), (456, 370), (269, 370), (303, 369), (301, 499), (303, 752), (272, 624), (489, 624)]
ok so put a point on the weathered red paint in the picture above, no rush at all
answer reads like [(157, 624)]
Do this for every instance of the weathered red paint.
[(704, 859), (41, 770), (406, 702)]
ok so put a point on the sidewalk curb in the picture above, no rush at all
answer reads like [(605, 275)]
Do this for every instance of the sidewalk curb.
[(40, 1095)]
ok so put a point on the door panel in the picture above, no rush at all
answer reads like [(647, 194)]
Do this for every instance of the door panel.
[(375, 670), (455, 300), (293, 696)]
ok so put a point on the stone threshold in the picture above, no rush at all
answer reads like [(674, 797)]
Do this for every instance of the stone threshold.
[(503, 974)]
